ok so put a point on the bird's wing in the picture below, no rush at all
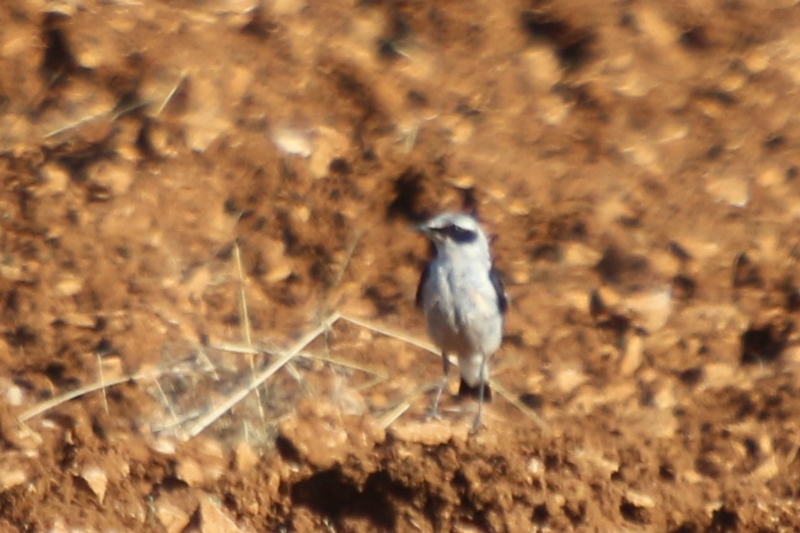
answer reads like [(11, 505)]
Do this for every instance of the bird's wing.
[(497, 283), (422, 280)]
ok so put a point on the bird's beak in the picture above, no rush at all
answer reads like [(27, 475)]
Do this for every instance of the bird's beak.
[(421, 228)]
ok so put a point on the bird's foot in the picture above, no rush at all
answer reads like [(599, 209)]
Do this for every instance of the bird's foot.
[(433, 414), (476, 425)]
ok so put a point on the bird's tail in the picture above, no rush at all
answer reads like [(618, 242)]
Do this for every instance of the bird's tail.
[(467, 391)]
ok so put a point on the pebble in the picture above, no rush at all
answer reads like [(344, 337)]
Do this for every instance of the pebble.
[(653, 24), (577, 254), (652, 309), (116, 177), (568, 379), (328, 145), (639, 499), (542, 66), (730, 190), (68, 285), (553, 110), (173, 518), (633, 355), (292, 141), (97, 480), (214, 520), (279, 266), (56, 179), (190, 471), (12, 476), (463, 182), (245, 458), (428, 433)]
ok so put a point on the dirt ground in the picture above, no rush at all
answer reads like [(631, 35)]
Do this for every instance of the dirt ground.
[(207, 278)]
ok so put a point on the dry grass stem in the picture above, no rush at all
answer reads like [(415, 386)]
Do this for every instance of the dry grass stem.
[(246, 332), (260, 378), (77, 393), (172, 93), (102, 381), (502, 391), (392, 333)]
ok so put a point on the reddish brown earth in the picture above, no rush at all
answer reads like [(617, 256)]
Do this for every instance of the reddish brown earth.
[(164, 161)]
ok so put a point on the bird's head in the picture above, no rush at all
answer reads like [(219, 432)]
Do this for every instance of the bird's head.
[(456, 234)]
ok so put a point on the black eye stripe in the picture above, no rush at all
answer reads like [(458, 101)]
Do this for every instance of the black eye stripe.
[(458, 234)]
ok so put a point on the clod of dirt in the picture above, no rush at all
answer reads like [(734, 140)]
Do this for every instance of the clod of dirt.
[(207, 465), (321, 436)]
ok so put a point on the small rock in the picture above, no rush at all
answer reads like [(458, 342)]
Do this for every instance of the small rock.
[(173, 518), (766, 470), (245, 457), (13, 393), (717, 376), (463, 182), (639, 499), (90, 52), (730, 190), (568, 379), (652, 309), (79, 320), (577, 254), (278, 265), (633, 355), (213, 458), (553, 110), (68, 285), (11, 476), (190, 471), (328, 145), (205, 119), (535, 467), (756, 60), (162, 141), (292, 141), (97, 480), (673, 131), (112, 367), (542, 66), (56, 179), (213, 520), (770, 177), (594, 461), (429, 433), (116, 177), (461, 131), (164, 446)]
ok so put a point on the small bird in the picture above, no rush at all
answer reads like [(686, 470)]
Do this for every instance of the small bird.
[(464, 302)]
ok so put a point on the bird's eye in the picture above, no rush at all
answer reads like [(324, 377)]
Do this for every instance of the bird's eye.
[(461, 235)]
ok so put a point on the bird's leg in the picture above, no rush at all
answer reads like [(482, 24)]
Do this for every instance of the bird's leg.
[(434, 412), (476, 424)]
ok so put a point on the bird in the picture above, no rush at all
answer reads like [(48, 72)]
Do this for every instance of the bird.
[(464, 303)]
